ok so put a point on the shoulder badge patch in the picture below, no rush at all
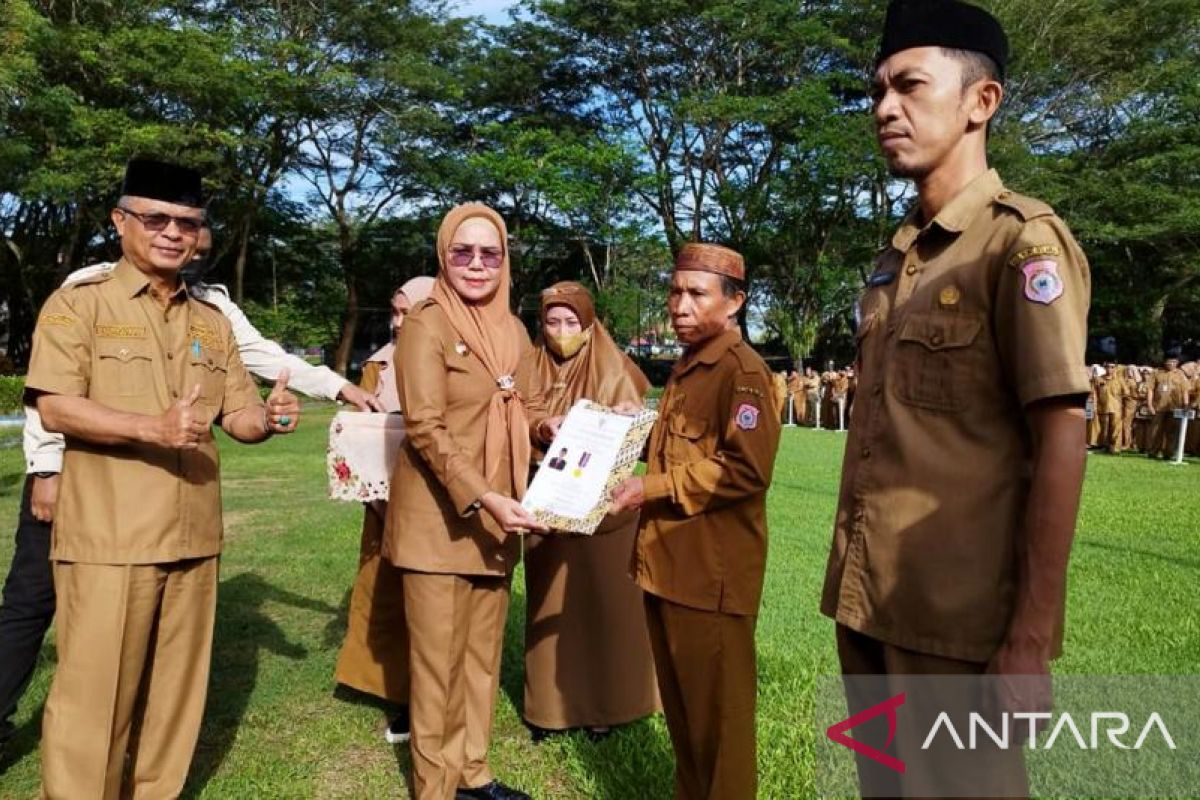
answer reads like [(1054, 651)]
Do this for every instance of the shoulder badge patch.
[(746, 416), (1042, 282)]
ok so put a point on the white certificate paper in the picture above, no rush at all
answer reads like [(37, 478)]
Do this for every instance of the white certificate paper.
[(594, 449)]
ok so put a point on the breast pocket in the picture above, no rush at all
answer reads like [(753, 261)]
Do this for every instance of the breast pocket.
[(685, 439), (934, 366), (209, 369), (124, 368)]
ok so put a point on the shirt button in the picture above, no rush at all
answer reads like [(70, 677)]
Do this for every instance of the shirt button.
[(911, 269), (174, 393), (866, 452), (170, 356), (878, 390), (936, 339)]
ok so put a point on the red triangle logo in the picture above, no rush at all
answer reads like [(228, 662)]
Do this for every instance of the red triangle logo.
[(837, 733)]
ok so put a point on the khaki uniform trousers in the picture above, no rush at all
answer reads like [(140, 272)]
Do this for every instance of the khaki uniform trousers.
[(455, 631), (374, 656), (961, 775), (1128, 414), (1164, 433), (1110, 432), (707, 678), (134, 646)]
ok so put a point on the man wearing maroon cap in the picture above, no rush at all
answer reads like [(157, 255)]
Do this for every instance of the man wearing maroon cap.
[(702, 545)]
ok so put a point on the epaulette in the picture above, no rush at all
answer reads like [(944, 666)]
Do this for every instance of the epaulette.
[(92, 279), (1027, 208), (748, 360)]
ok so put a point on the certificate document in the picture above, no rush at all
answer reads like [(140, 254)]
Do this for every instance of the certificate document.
[(595, 449)]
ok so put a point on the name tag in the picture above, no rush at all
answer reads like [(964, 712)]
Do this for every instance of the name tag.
[(121, 331)]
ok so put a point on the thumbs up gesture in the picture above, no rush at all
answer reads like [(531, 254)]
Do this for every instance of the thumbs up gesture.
[(184, 425), (283, 409)]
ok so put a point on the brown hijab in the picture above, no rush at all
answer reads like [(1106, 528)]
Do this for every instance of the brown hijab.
[(599, 371), (494, 335)]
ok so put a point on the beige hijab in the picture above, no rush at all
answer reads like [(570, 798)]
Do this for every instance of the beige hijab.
[(599, 372), (495, 336)]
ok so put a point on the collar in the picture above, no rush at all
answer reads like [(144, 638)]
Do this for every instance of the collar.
[(133, 281), (709, 351), (956, 216)]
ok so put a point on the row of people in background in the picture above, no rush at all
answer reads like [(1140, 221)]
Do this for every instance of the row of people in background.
[(815, 399), (1136, 407)]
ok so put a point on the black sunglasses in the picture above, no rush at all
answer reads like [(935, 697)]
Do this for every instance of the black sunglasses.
[(156, 222)]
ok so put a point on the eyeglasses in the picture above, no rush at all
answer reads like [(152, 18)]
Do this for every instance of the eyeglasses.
[(189, 226), (463, 256)]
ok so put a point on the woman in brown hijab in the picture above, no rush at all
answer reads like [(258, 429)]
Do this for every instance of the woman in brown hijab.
[(374, 655), (587, 653), (453, 510)]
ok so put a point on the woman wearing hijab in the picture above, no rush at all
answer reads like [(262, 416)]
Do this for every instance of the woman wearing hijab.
[(453, 510), (374, 656), (587, 653)]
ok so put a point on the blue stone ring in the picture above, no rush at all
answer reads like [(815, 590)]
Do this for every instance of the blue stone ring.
[(285, 420)]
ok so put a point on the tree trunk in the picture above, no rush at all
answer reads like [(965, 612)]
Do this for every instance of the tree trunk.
[(239, 265), (345, 348)]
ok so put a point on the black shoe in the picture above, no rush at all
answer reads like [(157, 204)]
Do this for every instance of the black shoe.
[(538, 735), (491, 791), (398, 730)]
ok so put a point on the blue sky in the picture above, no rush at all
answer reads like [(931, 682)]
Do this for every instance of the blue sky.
[(494, 11)]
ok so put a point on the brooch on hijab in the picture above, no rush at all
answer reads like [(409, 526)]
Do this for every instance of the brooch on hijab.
[(506, 382), (461, 348)]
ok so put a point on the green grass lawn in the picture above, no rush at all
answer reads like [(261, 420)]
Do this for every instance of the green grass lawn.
[(274, 729)]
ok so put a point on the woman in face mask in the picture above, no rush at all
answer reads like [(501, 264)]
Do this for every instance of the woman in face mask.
[(587, 654)]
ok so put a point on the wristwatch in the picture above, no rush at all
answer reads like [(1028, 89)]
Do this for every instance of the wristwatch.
[(44, 474)]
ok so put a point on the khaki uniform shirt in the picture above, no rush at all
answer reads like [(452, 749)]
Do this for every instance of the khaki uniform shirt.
[(1168, 390), (445, 391), (965, 322), (703, 536), (109, 340), (1108, 394)]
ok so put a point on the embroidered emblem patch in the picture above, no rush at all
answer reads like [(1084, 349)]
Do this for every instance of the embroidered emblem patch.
[(1029, 253), (746, 416), (206, 336), (1042, 283), (65, 320)]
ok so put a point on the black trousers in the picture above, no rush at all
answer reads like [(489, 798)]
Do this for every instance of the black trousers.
[(27, 609)]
